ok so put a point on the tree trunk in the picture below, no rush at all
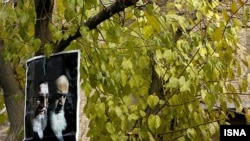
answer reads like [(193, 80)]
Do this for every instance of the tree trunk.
[(13, 98), (44, 9)]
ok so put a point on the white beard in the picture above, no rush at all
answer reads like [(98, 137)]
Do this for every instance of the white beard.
[(39, 124), (58, 123)]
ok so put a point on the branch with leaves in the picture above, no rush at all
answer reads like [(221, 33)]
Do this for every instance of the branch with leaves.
[(92, 22)]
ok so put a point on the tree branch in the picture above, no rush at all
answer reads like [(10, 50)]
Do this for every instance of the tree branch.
[(106, 13)]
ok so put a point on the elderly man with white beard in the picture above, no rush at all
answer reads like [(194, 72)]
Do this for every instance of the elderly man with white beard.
[(40, 121), (57, 122)]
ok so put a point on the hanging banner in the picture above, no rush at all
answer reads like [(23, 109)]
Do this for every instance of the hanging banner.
[(52, 97)]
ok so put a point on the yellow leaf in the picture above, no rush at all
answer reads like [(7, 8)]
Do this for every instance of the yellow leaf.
[(148, 31), (127, 65), (217, 34), (202, 51), (152, 100), (60, 8), (224, 15), (233, 7)]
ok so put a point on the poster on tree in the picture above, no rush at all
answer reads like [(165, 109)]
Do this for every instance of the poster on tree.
[(52, 97)]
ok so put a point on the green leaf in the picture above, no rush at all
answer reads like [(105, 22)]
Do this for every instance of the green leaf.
[(184, 85), (143, 62), (178, 6), (169, 55), (174, 100), (142, 113), (24, 17), (203, 94), (69, 14), (202, 51), (133, 116), (127, 100), (159, 70), (124, 78), (113, 33), (100, 109), (154, 122), (244, 85), (110, 128), (57, 35), (80, 3), (150, 9), (213, 128), (216, 74), (223, 105), (231, 88), (127, 64), (152, 100), (173, 82), (191, 132), (118, 111), (210, 100), (48, 49), (245, 17)]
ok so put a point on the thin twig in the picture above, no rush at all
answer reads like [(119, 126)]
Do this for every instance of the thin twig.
[(192, 126)]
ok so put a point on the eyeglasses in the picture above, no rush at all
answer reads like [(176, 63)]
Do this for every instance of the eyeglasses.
[(59, 95)]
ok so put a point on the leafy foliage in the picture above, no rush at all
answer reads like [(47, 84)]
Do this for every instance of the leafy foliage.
[(189, 46)]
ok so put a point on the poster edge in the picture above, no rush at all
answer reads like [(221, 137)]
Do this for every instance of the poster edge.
[(78, 96)]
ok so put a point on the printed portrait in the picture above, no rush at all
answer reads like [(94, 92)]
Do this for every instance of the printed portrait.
[(52, 97)]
